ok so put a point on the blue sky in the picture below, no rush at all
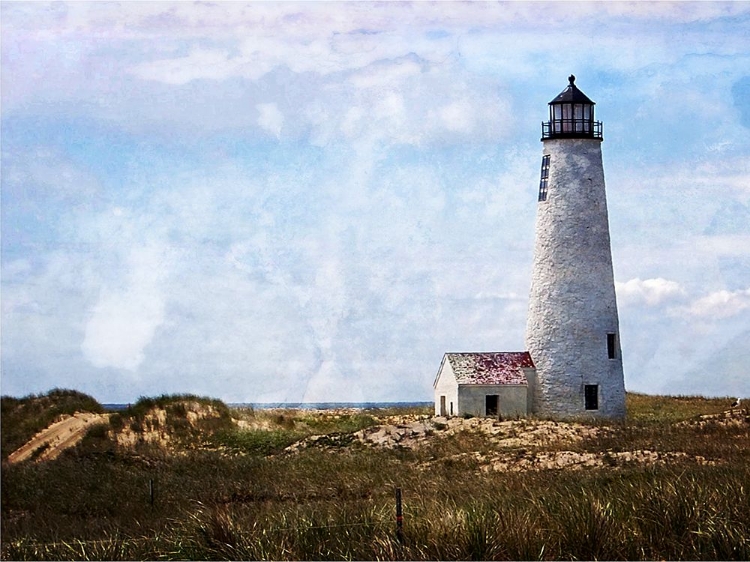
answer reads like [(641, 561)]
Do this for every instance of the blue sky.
[(313, 201)]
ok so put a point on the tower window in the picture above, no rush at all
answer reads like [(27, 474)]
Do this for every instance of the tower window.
[(591, 396), (612, 346), (544, 178)]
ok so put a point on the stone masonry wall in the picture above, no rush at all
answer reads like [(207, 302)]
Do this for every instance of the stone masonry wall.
[(572, 305)]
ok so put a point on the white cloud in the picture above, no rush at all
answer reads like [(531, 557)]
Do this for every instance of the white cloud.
[(351, 265), (330, 385), (147, 19), (724, 245), (682, 12), (353, 122), (208, 64), (382, 75), (458, 116), (124, 320), (721, 304), (650, 291), (270, 119)]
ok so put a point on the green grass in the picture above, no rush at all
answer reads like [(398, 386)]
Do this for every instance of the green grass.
[(340, 423), (283, 427), (647, 409), (255, 442), (248, 500), (426, 410)]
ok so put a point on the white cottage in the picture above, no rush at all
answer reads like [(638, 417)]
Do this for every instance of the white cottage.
[(484, 384)]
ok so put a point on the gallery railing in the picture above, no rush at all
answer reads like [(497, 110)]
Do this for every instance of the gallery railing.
[(576, 128)]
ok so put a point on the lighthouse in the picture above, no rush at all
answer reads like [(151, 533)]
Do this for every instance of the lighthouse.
[(572, 331), (572, 365)]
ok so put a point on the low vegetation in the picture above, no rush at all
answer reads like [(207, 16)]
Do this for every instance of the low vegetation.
[(232, 489), (22, 418)]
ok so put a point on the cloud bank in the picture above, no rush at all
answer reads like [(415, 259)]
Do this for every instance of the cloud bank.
[(314, 201)]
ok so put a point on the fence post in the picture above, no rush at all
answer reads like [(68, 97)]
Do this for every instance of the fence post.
[(399, 517), (151, 491)]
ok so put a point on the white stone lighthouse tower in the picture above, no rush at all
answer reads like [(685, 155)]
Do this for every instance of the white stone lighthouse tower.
[(572, 332)]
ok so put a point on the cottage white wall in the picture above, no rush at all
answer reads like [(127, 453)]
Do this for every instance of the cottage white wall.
[(572, 303), (530, 374), (446, 385), (511, 399)]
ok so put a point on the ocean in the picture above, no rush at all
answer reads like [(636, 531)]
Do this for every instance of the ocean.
[(306, 405)]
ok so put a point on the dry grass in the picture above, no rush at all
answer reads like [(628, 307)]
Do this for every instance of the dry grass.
[(246, 499)]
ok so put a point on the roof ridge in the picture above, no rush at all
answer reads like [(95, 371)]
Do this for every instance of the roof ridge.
[(481, 352), (490, 367)]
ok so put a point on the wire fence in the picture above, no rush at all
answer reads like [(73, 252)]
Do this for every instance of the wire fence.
[(125, 541)]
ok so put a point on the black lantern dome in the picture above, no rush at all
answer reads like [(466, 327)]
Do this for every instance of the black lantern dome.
[(571, 115)]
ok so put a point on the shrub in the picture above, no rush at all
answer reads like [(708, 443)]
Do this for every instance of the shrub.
[(97, 431), (116, 422), (287, 422), (255, 442), (39, 451), (178, 410)]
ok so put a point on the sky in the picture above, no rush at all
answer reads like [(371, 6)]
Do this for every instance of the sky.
[(306, 202)]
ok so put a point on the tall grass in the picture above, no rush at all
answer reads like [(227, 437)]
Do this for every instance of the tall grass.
[(648, 515), (22, 418), (239, 503)]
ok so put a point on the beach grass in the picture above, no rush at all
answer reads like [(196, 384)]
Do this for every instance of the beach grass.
[(236, 494)]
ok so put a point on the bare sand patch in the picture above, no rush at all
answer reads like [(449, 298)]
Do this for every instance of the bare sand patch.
[(154, 427), (61, 435)]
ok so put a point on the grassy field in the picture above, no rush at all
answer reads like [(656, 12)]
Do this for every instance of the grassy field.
[(229, 491)]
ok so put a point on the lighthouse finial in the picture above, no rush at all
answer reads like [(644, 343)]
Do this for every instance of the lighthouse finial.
[(572, 79)]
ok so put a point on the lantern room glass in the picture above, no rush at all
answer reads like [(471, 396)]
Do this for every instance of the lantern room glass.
[(571, 118), (571, 115)]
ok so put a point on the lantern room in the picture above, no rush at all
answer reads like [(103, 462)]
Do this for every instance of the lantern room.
[(571, 115)]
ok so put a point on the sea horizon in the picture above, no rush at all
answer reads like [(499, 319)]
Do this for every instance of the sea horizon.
[(304, 405)]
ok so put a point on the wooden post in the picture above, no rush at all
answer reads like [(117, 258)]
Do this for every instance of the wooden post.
[(399, 517), (151, 490)]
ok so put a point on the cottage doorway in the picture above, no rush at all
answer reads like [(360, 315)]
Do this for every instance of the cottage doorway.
[(490, 405), (442, 405)]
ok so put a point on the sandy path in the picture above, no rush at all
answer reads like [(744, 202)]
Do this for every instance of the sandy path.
[(58, 436)]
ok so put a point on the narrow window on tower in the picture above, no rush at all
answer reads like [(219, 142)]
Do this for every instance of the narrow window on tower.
[(591, 396), (612, 346), (544, 179)]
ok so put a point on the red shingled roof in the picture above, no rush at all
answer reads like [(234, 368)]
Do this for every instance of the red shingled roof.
[(490, 368)]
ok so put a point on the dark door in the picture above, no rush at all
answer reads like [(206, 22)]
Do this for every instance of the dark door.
[(490, 404)]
